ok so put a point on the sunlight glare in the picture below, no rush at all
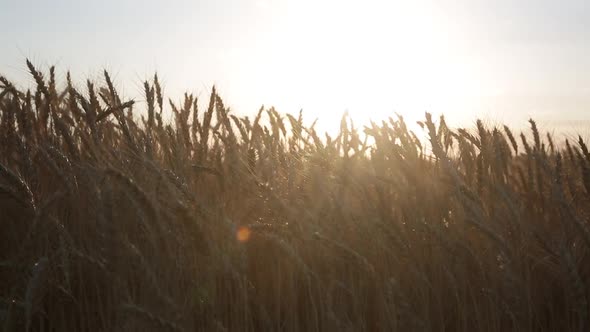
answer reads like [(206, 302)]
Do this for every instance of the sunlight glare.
[(370, 58)]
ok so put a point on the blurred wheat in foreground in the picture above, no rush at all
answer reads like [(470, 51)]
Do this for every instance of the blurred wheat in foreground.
[(119, 221)]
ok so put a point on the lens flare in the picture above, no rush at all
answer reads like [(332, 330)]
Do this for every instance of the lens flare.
[(243, 234)]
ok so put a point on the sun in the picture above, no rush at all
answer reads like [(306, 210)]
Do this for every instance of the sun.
[(370, 59)]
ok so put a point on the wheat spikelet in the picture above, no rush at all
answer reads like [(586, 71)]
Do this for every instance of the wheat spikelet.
[(38, 79), (536, 136), (19, 186), (158, 89), (512, 139)]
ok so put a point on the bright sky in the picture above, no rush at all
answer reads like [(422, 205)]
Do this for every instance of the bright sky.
[(504, 60)]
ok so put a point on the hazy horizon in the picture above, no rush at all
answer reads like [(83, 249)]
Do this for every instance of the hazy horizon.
[(502, 61)]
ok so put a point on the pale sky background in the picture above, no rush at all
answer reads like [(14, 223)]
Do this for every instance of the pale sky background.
[(502, 60)]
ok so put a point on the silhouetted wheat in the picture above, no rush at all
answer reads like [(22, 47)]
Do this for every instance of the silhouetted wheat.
[(117, 220)]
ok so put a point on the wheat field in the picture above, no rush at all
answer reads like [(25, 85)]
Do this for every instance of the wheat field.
[(115, 219)]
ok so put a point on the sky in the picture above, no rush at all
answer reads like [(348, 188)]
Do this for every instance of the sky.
[(504, 61)]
